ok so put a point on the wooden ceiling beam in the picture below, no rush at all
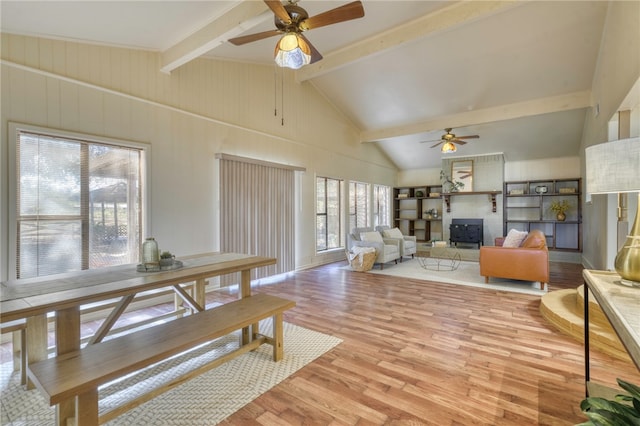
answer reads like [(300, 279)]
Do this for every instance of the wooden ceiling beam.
[(552, 104), (234, 22)]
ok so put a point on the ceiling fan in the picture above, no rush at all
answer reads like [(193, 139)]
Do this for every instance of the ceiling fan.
[(294, 49), (450, 140)]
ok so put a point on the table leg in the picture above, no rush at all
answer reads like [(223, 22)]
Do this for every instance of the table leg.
[(199, 293), (37, 341), (278, 337), (67, 340), (245, 291), (587, 373)]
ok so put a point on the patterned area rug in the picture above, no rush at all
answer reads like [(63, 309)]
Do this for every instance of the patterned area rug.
[(204, 400), (467, 273)]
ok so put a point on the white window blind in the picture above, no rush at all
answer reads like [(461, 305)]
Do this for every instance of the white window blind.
[(78, 204), (358, 205)]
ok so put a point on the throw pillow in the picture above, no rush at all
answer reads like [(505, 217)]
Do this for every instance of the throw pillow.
[(374, 237), (514, 238), (393, 233)]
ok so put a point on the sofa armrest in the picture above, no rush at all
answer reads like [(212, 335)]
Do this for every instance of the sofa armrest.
[(392, 242), (377, 246), (410, 238)]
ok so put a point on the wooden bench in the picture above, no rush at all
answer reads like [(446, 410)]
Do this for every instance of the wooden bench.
[(76, 376)]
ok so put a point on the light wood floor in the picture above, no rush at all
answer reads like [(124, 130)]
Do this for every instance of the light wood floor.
[(417, 352)]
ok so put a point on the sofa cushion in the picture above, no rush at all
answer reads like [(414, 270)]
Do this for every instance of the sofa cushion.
[(514, 238), (372, 236), (535, 239), (392, 233)]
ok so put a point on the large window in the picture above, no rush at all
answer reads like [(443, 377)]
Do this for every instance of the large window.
[(78, 204), (358, 205), (328, 213), (381, 204)]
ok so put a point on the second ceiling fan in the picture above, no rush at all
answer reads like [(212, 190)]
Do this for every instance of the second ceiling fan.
[(294, 50), (450, 140)]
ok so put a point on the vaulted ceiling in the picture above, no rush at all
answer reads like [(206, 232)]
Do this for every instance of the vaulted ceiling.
[(517, 73)]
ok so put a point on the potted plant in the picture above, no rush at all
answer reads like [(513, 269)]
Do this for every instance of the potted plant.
[(624, 410), (448, 185), (166, 258), (560, 208)]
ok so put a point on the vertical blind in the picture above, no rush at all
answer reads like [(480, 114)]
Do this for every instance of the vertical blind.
[(257, 214)]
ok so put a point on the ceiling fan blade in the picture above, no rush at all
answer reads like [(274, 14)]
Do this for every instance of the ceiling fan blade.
[(253, 37), (315, 55), (433, 146), (278, 9), (347, 12), (468, 137), (458, 141)]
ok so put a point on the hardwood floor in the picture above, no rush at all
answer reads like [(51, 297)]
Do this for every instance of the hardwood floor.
[(424, 353), (416, 352)]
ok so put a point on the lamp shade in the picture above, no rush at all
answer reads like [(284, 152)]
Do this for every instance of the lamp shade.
[(448, 147), (613, 167), (292, 51)]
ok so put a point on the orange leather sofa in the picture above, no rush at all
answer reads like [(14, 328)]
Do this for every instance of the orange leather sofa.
[(529, 262)]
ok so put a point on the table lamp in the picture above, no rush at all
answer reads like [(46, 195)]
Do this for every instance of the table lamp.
[(614, 167)]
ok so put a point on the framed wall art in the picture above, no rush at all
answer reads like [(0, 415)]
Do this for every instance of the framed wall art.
[(462, 171)]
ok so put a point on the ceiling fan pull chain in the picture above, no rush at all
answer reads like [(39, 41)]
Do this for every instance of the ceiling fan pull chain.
[(282, 96)]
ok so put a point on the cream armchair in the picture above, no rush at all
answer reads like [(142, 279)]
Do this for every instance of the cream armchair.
[(408, 244), (387, 249)]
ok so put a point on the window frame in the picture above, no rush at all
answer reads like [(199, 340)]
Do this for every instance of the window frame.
[(354, 187), (341, 208), (11, 244)]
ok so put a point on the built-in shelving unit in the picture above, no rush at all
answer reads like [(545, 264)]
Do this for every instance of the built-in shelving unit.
[(527, 206), (411, 211)]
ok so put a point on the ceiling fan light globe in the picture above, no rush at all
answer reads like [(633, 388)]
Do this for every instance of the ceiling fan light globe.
[(448, 147), (292, 52)]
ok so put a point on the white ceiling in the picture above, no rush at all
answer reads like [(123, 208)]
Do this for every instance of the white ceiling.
[(516, 73)]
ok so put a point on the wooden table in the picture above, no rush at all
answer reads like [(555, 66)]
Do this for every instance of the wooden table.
[(621, 306), (63, 294)]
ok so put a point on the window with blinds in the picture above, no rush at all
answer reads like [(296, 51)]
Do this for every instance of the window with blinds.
[(358, 205), (381, 205), (329, 210), (257, 212), (78, 204)]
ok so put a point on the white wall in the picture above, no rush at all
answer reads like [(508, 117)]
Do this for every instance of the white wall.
[(617, 70), (203, 108)]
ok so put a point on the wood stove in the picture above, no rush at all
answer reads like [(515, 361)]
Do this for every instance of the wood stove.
[(469, 231)]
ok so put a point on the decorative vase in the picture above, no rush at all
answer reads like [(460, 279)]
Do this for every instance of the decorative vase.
[(561, 216), (150, 255)]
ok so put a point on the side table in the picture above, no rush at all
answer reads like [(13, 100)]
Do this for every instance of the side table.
[(448, 259), (620, 305)]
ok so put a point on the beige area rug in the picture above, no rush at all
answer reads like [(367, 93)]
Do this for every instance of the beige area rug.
[(204, 400), (467, 274)]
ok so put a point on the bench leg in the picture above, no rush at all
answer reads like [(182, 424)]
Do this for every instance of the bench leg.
[(79, 411), (278, 337), (87, 408)]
